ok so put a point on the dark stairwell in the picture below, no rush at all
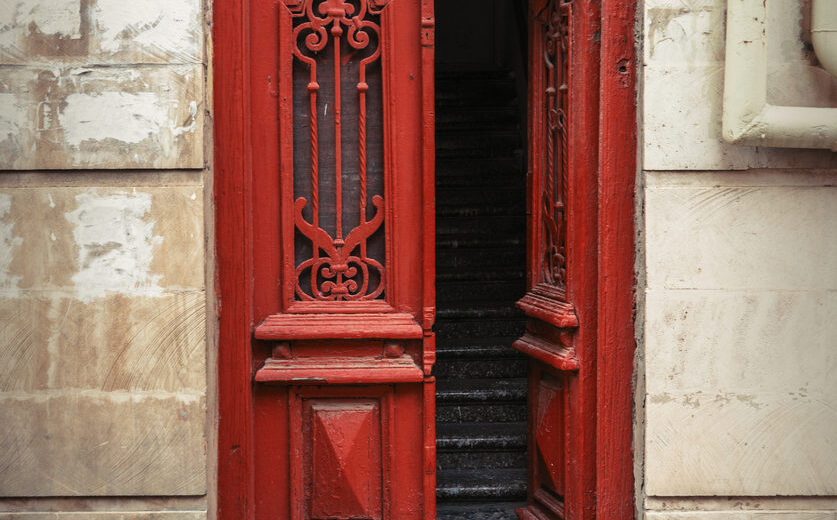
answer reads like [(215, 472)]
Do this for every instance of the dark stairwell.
[(480, 218)]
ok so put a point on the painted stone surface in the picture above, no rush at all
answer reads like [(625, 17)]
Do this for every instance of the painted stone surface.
[(90, 117), (103, 365), (103, 344), (739, 334), (101, 31), (683, 74), (738, 364), (101, 84)]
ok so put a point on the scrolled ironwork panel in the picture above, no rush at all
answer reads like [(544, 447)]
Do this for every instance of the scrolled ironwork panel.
[(339, 244), (554, 19)]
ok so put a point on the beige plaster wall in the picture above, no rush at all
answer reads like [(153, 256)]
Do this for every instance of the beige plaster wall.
[(103, 265), (738, 406)]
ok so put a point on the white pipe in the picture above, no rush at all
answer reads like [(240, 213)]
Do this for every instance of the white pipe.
[(747, 117), (824, 33)]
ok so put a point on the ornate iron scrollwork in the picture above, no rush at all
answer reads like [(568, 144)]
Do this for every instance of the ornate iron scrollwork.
[(340, 267), (555, 21)]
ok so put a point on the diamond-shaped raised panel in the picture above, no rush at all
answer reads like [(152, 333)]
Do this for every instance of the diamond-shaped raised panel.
[(343, 452), (549, 434)]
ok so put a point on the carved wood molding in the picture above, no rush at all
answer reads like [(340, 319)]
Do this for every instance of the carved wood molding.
[(331, 371), (546, 304), (339, 326), (560, 357)]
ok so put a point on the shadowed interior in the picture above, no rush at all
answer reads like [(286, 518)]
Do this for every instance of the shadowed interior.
[(480, 242)]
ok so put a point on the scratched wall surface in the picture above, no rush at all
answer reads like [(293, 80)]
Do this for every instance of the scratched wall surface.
[(101, 84), (738, 350), (103, 342)]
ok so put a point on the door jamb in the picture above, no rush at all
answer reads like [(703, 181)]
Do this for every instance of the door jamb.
[(235, 497), (232, 169), (615, 497)]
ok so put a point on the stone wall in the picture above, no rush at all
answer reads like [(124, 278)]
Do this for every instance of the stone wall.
[(103, 205), (738, 398)]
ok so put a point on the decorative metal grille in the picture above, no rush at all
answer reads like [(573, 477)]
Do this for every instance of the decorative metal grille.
[(338, 150), (555, 21)]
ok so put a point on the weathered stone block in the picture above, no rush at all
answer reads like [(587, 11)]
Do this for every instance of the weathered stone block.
[(96, 242), (684, 51), (741, 342), (741, 398), (74, 442), (86, 32), (739, 335), (102, 339), (682, 125), (111, 117), (740, 235), (107, 515), (119, 343), (743, 515), (704, 445), (684, 32)]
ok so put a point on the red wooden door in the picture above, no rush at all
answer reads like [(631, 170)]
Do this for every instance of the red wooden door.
[(561, 276), (343, 259), (324, 218)]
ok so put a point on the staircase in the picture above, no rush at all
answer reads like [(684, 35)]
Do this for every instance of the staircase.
[(480, 242)]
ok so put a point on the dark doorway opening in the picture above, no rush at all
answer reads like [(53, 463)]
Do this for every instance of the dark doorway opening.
[(480, 243)]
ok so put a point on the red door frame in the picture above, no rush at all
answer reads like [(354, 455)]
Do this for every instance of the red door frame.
[(613, 229)]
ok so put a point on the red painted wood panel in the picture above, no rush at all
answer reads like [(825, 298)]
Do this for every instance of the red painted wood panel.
[(342, 458), (231, 187), (341, 453), (271, 490), (618, 169), (598, 147), (563, 250), (549, 433), (382, 347)]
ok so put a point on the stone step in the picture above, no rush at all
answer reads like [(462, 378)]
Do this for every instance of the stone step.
[(481, 401), (464, 228), (479, 171), (477, 118), (465, 413), (475, 347), (451, 72), (456, 294), (490, 93), (487, 310), (481, 510), (478, 259), (448, 207), (474, 484), (481, 381), (496, 241), (481, 436), (484, 276), (481, 391), (485, 367), (456, 93), (476, 459), (495, 145), (449, 137), (478, 200), (458, 329)]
